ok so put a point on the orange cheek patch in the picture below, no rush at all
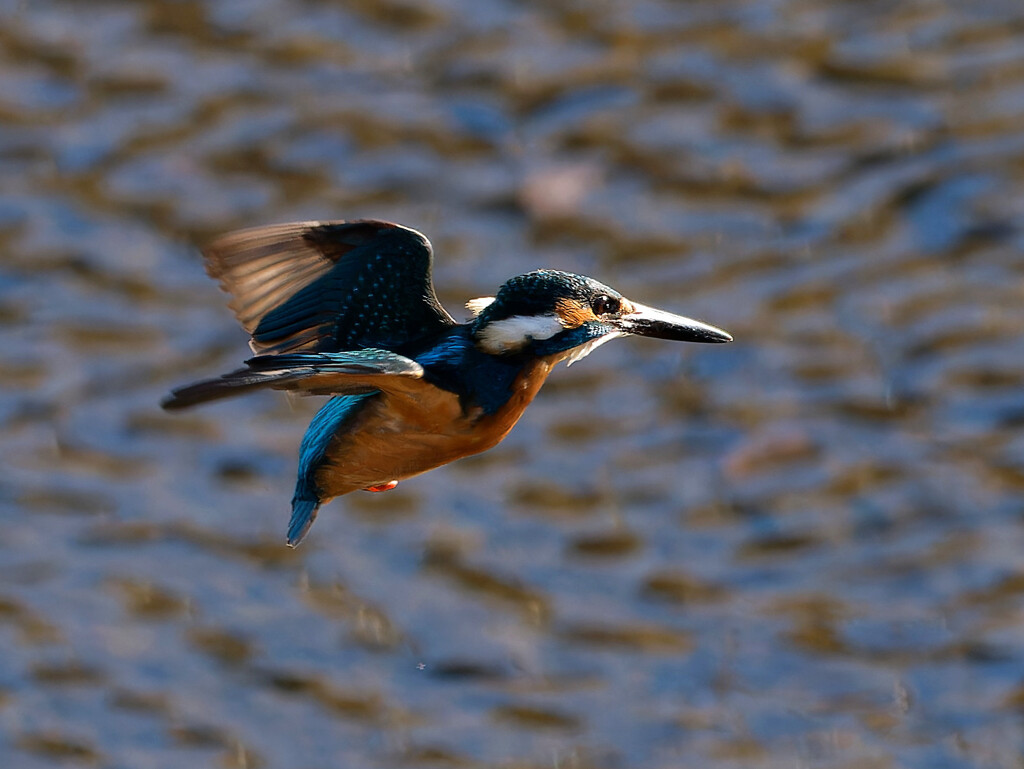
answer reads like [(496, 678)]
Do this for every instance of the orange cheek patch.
[(572, 313)]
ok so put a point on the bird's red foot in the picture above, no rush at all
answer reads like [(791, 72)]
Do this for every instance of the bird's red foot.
[(383, 487)]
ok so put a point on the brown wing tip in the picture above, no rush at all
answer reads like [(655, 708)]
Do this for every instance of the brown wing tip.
[(227, 250)]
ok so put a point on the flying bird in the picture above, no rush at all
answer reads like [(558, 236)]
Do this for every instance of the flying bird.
[(348, 309)]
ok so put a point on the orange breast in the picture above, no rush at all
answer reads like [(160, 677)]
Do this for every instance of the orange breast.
[(396, 437)]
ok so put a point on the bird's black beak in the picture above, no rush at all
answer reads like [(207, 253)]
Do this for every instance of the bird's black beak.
[(647, 321)]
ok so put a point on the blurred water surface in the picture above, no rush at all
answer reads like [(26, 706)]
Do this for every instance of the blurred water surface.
[(802, 549)]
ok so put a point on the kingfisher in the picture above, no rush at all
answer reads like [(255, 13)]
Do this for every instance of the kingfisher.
[(348, 309)]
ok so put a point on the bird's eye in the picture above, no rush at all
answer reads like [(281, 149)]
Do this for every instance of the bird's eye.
[(605, 305)]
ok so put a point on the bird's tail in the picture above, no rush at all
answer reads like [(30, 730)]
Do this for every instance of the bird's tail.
[(303, 514)]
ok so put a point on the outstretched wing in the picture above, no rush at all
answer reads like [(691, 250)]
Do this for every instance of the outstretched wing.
[(351, 373), (329, 286)]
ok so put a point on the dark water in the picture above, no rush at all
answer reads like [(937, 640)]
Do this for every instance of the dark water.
[(805, 549)]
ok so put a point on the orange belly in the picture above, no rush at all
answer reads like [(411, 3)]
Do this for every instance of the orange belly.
[(397, 437)]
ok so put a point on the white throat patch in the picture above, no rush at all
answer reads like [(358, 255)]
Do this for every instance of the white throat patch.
[(513, 333), (578, 353)]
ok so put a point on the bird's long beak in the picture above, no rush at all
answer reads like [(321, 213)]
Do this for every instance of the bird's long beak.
[(647, 321)]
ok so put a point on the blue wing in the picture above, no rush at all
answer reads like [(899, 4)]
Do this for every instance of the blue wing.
[(329, 286), (327, 422)]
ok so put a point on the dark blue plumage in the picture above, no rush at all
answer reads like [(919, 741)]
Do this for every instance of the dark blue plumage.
[(537, 292), (377, 293), (454, 363), (348, 309), (329, 286)]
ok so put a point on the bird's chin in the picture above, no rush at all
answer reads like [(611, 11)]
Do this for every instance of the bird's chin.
[(582, 351)]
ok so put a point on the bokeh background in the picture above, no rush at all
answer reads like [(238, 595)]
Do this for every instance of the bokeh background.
[(804, 549)]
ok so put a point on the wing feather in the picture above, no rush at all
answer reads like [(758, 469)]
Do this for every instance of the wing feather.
[(328, 286), (348, 373)]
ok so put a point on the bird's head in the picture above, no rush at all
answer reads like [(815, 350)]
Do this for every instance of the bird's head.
[(548, 312)]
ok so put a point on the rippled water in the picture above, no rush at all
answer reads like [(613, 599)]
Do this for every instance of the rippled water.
[(802, 549)]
